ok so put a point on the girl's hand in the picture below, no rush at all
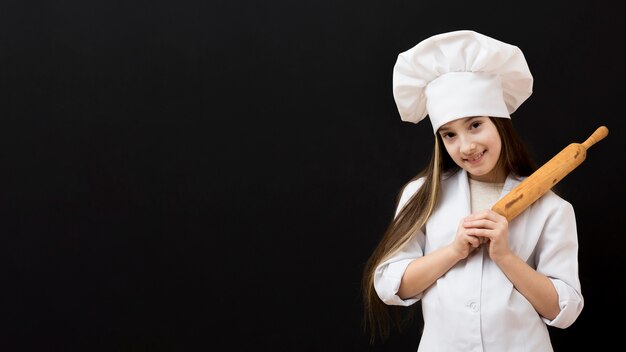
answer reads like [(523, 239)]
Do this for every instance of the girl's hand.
[(491, 228), (464, 243)]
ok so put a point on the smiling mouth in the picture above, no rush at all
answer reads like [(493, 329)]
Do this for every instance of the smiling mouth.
[(475, 158)]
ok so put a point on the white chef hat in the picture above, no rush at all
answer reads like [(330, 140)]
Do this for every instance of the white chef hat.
[(460, 74)]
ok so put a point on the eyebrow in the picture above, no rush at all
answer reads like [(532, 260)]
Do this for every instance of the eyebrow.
[(470, 118), (465, 120)]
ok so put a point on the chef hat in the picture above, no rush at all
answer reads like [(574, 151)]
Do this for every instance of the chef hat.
[(460, 74)]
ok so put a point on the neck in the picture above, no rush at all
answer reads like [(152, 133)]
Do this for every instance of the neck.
[(492, 177)]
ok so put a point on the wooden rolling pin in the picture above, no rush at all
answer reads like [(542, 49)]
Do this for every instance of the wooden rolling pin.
[(544, 178)]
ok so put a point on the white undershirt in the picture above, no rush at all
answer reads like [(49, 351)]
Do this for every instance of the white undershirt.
[(484, 194)]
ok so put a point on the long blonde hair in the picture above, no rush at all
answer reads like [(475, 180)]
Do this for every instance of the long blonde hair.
[(378, 316)]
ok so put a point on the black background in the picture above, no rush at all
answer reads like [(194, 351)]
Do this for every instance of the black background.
[(184, 175)]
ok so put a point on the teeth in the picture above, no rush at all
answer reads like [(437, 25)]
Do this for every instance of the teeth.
[(477, 156)]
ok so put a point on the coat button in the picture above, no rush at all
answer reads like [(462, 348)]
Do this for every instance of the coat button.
[(473, 306)]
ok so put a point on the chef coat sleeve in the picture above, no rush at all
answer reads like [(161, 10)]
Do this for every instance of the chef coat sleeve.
[(388, 275), (558, 260)]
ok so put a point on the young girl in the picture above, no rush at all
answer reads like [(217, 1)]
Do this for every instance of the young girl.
[(485, 284)]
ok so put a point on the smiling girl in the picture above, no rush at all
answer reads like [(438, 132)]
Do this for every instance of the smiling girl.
[(484, 284)]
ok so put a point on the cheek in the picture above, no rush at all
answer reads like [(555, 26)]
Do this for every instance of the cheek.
[(498, 146), (455, 155), (496, 152), (450, 150), (496, 142)]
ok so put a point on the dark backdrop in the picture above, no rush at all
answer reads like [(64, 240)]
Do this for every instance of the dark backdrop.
[(184, 175)]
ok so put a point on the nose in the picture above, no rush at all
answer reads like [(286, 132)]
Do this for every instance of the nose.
[(468, 146)]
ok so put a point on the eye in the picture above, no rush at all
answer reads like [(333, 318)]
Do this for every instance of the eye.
[(447, 135), (475, 124)]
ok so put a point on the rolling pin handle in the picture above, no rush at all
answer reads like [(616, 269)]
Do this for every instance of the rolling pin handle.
[(598, 135)]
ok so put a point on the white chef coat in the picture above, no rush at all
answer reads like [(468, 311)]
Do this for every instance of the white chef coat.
[(474, 306)]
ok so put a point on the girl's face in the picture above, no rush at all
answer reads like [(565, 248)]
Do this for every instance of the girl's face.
[(474, 144)]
